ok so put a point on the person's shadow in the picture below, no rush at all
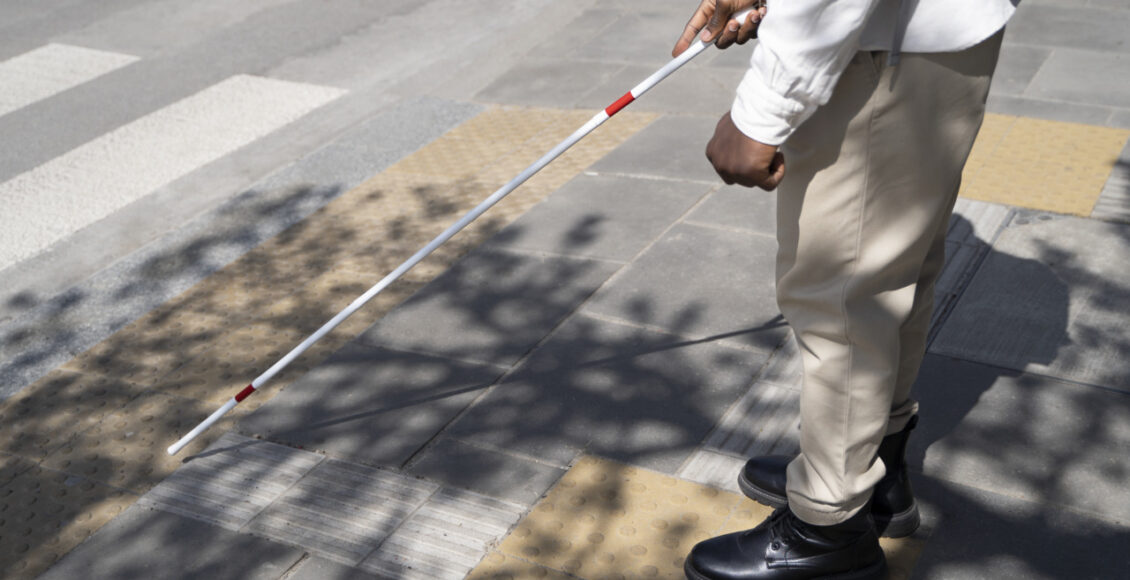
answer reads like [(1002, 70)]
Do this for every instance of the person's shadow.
[(1014, 463)]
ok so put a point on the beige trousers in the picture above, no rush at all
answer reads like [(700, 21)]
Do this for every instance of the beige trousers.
[(871, 180)]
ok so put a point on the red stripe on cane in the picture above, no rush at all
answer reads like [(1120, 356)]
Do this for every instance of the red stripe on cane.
[(244, 393), (619, 104)]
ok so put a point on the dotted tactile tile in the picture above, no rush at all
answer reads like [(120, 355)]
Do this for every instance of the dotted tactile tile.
[(234, 360), (150, 347), (250, 283), (127, 448), (44, 514), (506, 124), (1038, 164), (605, 520), (12, 465), (49, 412), (496, 566)]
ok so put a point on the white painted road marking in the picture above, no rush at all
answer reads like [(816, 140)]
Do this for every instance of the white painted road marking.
[(52, 201), (52, 69)]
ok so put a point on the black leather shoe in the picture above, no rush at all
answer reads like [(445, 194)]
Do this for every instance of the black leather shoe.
[(892, 505), (785, 548)]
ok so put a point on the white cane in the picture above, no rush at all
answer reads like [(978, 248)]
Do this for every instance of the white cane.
[(697, 47)]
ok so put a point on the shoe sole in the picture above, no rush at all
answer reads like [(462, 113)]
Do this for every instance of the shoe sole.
[(899, 525), (876, 571)]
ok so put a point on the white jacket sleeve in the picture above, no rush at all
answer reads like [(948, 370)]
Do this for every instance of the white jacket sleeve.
[(803, 49)]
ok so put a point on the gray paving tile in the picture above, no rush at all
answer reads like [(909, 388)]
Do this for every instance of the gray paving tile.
[(977, 222), (491, 472), (1016, 67), (1050, 298), (492, 306), (565, 42), (765, 421), (712, 468), (1029, 437), (735, 206), (316, 568), (370, 405), (548, 83), (978, 534), (143, 544), (671, 147), (342, 511), (653, 34), (605, 217), (1066, 112), (1114, 201), (1119, 119), (1099, 29), (690, 90), (613, 390), (1086, 77), (445, 538), (232, 481), (701, 282)]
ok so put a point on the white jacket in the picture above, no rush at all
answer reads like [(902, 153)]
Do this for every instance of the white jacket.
[(806, 44)]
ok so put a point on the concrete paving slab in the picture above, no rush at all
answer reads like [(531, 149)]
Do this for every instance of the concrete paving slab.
[(445, 538), (1002, 104), (703, 282), (566, 41), (1048, 300), (1079, 76), (671, 147), (493, 306), (492, 472), (1035, 438), (979, 534), (144, 543), (1097, 29), (342, 511), (603, 217), (1114, 202), (232, 481), (315, 568), (653, 32), (621, 391), (1017, 65), (690, 90), (549, 83), (735, 206), (371, 405)]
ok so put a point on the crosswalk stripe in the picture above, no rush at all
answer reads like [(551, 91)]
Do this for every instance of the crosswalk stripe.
[(50, 202), (51, 69)]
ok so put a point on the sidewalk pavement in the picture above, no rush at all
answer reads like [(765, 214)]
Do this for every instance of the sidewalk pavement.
[(568, 389)]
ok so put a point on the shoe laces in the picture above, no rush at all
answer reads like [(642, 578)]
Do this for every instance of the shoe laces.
[(783, 527)]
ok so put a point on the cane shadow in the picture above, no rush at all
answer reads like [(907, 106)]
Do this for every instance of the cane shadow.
[(1018, 467)]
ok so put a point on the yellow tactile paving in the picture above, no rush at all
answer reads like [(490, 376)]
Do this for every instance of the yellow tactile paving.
[(606, 521), (101, 423), (44, 514), (126, 450), (1037, 164), (64, 404)]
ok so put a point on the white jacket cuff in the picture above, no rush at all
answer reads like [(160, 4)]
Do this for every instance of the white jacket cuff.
[(762, 114)]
